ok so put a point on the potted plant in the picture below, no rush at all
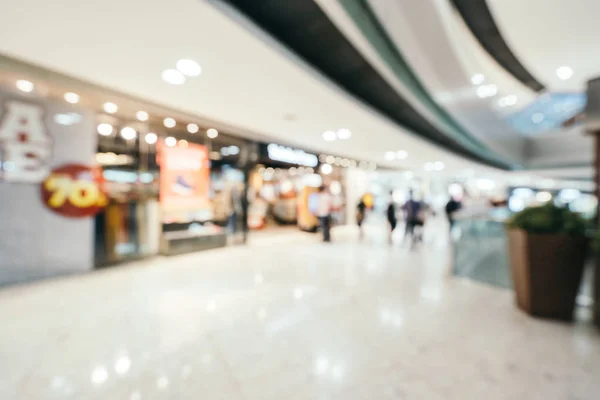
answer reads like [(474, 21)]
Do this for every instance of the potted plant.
[(547, 249)]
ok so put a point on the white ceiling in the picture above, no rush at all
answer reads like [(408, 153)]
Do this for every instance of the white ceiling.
[(444, 55), (548, 34), (248, 80)]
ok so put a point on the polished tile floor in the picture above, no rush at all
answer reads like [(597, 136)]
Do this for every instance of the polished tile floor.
[(287, 318)]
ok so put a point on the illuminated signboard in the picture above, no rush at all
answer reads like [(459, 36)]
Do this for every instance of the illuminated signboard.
[(291, 156), (25, 144)]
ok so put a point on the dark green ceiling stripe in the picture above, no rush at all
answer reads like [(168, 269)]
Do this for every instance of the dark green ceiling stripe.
[(364, 18)]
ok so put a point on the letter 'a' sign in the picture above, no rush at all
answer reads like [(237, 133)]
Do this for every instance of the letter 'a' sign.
[(25, 145)]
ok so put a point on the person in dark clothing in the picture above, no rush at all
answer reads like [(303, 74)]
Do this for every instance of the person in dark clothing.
[(452, 206), (391, 217), (361, 210), (412, 212)]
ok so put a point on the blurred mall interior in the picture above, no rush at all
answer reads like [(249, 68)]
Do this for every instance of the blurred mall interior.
[(170, 172)]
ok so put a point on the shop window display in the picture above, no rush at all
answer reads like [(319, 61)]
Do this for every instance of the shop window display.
[(170, 191)]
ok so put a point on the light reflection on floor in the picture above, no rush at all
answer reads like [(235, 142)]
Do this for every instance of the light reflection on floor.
[(297, 320)]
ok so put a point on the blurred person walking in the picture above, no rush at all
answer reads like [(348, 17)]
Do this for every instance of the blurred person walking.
[(361, 210), (452, 207), (324, 212), (391, 218), (413, 216)]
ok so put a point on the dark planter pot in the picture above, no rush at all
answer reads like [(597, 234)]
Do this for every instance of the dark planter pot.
[(546, 270)]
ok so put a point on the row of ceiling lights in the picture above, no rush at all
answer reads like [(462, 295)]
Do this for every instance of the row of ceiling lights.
[(490, 90), (345, 162), (127, 133), (341, 134), (184, 67)]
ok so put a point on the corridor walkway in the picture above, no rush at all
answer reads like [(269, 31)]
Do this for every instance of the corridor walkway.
[(294, 320)]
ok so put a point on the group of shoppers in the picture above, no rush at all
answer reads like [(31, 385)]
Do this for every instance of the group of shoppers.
[(414, 213)]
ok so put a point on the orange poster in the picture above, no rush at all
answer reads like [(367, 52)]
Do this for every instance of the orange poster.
[(184, 178)]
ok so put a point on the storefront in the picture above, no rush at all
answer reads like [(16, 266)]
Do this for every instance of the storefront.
[(110, 179), (173, 187), (283, 183)]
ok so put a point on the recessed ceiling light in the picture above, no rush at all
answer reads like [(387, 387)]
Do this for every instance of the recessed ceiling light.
[(484, 91), (401, 154), (141, 116), (188, 67), (326, 169), (508, 101), (71, 97), (183, 143), (151, 138), (330, 159), (169, 122), (390, 156), (170, 141), (344, 134), (438, 166), (212, 133), (173, 77), (67, 119), (105, 129), (329, 136), (192, 128), (564, 73), (477, 79), (537, 118), (25, 86), (110, 108), (128, 133)]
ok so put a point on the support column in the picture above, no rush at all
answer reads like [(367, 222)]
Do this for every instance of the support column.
[(592, 122)]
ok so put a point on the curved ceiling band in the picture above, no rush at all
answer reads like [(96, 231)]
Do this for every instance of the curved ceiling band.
[(305, 29), (480, 21), (366, 20)]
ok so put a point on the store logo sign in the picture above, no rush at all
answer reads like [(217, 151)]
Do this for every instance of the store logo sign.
[(25, 145), (291, 156)]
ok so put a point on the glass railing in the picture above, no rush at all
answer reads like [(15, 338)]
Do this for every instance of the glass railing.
[(479, 248)]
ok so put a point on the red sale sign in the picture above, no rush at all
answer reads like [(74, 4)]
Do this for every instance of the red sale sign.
[(74, 190)]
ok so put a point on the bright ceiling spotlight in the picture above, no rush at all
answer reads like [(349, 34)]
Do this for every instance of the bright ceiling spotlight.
[(25, 86), (344, 133), (564, 73), (193, 128), (484, 91), (212, 133), (170, 141), (390, 156), (169, 122), (128, 133), (110, 108), (105, 129), (188, 67), (439, 166), (173, 77), (508, 101), (401, 154), (326, 169), (141, 116), (151, 138), (71, 97), (477, 79), (329, 136)]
